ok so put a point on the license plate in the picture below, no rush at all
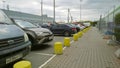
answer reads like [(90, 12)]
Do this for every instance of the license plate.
[(13, 58)]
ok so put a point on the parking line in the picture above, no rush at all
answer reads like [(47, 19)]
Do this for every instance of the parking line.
[(47, 61), (52, 57), (70, 43), (45, 54)]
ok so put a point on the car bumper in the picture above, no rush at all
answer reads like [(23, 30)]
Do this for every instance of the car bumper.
[(10, 55), (46, 39)]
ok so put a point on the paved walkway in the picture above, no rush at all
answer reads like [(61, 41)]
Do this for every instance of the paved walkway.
[(90, 51)]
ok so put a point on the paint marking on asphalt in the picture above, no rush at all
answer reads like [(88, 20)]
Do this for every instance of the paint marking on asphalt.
[(52, 57), (71, 42), (45, 54), (47, 61)]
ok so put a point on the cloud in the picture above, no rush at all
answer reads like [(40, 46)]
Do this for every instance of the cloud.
[(91, 9)]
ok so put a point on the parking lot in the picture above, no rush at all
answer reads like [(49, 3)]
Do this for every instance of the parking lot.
[(41, 53), (59, 34)]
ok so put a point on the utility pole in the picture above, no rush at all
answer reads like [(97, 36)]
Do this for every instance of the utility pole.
[(80, 10), (68, 14), (99, 26), (42, 10), (3, 4), (53, 11), (8, 7)]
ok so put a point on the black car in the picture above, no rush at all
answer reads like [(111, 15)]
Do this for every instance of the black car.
[(36, 34), (77, 27), (14, 42), (63, 29)]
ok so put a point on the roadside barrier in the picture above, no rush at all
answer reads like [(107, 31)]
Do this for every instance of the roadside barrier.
[(58, 48), (67, 42), (75, 37), (80, 34), (22, 64), (83, 31)]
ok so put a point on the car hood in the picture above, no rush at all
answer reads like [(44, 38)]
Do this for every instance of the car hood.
[(10, 31), (39, 29)]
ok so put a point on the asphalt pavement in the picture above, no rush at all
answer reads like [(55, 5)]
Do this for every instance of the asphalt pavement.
[(40, 53)]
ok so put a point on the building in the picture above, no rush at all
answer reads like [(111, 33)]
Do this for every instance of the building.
[(35, 19)]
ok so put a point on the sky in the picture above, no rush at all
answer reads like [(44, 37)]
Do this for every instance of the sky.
[(90, 9)]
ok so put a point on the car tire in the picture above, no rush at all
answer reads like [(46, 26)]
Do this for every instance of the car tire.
[(66, 34)]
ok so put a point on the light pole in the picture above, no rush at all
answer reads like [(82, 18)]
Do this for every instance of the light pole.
[(80, 10), (3, 4), (42, 10), (68, 14), (53, 11)]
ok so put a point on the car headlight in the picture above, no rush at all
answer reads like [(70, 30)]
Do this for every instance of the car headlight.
[(26, 37), (39, 33)]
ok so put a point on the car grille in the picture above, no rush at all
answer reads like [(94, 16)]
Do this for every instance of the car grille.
[(11, 41)]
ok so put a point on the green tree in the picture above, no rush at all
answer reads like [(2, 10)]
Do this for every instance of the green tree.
[(117, 29)]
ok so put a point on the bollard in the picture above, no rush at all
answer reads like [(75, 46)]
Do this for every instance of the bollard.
[(22, 64), (80, 34), (84, 31), (75, 37), (58, 48), (67, 42)]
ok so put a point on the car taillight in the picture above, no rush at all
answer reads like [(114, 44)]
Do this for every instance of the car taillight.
[(74, 29)]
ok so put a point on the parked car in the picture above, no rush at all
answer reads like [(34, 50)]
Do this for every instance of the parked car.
[(45, 25), (76, 26), (14, 42), (63, 29), (36, 34)]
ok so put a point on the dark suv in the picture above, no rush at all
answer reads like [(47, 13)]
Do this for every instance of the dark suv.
[(63, 29), (14, 42), (37, 35)]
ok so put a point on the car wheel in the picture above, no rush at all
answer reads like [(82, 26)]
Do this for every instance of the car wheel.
[(66, 34)]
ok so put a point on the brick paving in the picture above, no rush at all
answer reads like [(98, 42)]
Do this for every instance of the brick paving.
[(90, 51)]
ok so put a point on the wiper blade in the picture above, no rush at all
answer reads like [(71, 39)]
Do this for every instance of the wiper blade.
[(3, 23)]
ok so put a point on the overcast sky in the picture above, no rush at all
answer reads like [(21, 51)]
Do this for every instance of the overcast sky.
[(91, 9)]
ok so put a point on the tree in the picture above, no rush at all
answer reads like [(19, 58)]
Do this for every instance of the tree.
[(117, 25)]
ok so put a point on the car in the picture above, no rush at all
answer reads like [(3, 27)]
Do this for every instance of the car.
[(14, 42), (45, 25), (63, 29), (76, 26), (37, 35)]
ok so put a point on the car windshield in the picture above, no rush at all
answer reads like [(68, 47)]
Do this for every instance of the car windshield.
[(4, 19), (24, 24)]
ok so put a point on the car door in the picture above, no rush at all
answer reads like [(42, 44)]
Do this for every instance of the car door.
[(57, 29), (54, 29), (61, 29)]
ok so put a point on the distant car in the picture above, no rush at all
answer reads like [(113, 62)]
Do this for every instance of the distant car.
[(36, 34), (63, 29), (77, 27), (45, 26)]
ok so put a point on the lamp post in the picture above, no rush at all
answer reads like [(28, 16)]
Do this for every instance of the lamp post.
[(53, 11), (80, 9), (42, 10), (68, 14), (3, 4)]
